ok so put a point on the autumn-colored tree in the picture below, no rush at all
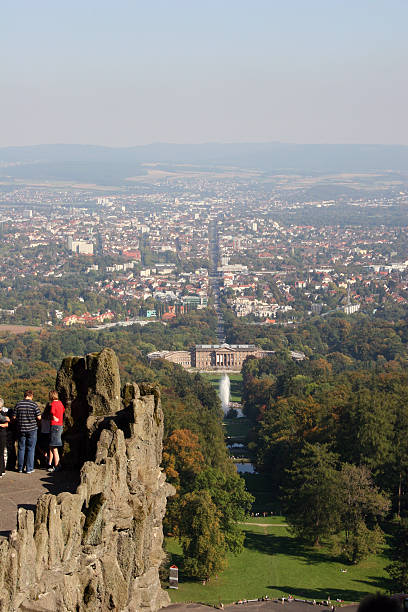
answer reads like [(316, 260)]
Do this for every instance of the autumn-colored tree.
[(320, 368), (182, 458)]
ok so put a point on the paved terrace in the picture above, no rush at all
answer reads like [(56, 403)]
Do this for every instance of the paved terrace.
[(23, 490)]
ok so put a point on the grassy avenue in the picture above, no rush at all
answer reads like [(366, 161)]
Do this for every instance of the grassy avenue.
[(274, 562)]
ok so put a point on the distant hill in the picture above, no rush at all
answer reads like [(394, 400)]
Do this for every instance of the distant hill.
[(114, 165)]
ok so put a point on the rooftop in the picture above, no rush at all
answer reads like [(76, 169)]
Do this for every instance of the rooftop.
[(251, 347)]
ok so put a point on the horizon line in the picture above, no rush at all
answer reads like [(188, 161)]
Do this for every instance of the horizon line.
[(206, 143)]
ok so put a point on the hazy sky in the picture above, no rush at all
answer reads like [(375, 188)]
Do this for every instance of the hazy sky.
[(127, 72)]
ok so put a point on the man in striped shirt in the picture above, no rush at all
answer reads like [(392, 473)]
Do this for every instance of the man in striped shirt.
[(26, 414)]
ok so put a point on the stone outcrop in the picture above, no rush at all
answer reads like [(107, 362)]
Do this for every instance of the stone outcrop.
[(98, 549)]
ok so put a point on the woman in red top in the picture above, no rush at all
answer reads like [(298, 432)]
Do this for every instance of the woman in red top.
[(57, 412)]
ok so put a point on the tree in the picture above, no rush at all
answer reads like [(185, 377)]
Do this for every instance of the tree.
[(206, 520), (360, 543), (182, 458), (362, 505), (182, 461), (398, 569), (274, 440), (400, 448), (202, 539), (232, 501), (312, 499), (366, 426)]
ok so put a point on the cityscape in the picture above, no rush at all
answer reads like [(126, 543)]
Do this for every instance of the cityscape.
[(283, 306), (147, 255), (204, 306)]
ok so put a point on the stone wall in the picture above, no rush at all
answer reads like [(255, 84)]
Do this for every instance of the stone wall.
[(100, 548)]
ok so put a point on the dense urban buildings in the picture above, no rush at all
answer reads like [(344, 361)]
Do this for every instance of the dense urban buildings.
[(144, 252)]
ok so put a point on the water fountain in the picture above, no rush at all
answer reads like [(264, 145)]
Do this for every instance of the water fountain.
[(224, 391), (225, 396)]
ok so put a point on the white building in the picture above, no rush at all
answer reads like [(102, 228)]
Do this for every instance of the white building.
[(80, 246), (351, 308)]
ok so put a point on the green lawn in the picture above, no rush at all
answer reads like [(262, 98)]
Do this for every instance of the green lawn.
[(274, 563), (235, 380), (266, 498), (237, 428), (271, 520)]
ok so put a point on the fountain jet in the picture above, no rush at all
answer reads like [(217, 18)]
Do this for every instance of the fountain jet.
[(224, 391)]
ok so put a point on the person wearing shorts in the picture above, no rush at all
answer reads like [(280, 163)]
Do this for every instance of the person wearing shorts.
[(57, 414)]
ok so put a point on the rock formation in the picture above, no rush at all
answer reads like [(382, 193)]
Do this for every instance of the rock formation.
[(98, 549)]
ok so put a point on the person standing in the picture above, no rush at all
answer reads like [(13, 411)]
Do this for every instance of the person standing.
[(57, 413), (4, 421), (43, 441), (26, 413)]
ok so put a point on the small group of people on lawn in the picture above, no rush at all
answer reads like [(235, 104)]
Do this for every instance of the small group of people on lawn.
[(32, 427)]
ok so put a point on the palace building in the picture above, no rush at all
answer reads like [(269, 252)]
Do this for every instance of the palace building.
[(216, 356), (223, 356)]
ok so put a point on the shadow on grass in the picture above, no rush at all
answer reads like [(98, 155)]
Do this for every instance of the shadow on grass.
[(235, 389), (391, 533), (177, 559), (324, 594), (237, 429), (271, 544), (381, 583)]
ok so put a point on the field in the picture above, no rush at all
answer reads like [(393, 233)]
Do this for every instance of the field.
[(266, 520), (237, 428), (236, 383), (6, 329), (274, 563), (266, 498)]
